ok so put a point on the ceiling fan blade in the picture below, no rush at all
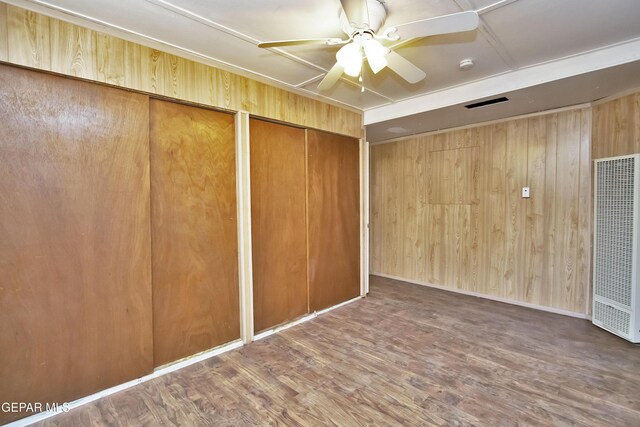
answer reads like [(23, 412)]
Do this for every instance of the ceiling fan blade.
[(332, 77), (404, 68), (280, 43), (357, 12), (454, 23)]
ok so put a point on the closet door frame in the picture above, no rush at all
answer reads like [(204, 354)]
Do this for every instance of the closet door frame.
[(245, 258)]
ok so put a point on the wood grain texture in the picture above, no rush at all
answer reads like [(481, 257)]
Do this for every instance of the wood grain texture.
[(333, 219), (193, 230), (110, 60), (515, 215), (49, 44), (453, 176), (616, 127), (28, 36), (75, 296), (4, 35), (417, 363), (73, 50), (474, 231), (278, 223)]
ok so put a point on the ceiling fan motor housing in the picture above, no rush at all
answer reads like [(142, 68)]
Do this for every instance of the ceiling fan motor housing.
[(377, 12)]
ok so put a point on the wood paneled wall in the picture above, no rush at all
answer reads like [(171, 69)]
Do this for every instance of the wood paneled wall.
[(34, 40), (446, 209), (616, 127), (75, 267), (193, 230)]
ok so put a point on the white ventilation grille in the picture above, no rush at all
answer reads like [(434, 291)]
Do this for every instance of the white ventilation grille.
[(612, 318), (614, 216), (615, 295)]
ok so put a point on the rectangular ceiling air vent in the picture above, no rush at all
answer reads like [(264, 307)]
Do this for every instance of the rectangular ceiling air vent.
[(487, 102)]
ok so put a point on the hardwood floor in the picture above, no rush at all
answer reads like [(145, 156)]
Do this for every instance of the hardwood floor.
[(405, 355)]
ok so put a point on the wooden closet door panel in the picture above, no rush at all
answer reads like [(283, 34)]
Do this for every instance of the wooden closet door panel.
[(277, 156), (334, 218), (193, 230), (75, 268)]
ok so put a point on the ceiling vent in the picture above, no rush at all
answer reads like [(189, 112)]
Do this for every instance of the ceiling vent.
[(487, 102)]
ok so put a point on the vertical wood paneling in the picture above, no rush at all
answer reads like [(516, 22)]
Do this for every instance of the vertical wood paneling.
[(435, 244), (566, 205), (479, 234), (376, 184), (415, 182), (45, 43), (453, 177), (549, 255), (75, 267), (278, 225), (75, 50), (421, 205), (410, 256), (194, 232), (333, 218), (536, 156), (4, 42), (496, 245), (616, 127), (110, 64), (173, 80), (515, 220), (585, 213), (135, 67), (28, 38), (153, 65)]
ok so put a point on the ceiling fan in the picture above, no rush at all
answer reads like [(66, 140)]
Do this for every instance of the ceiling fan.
[(361, 21)]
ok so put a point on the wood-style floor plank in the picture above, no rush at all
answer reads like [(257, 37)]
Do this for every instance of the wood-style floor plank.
[(405, 355)]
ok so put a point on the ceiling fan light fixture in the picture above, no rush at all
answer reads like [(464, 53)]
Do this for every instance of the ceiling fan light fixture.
[(375, 55), (350, 57)]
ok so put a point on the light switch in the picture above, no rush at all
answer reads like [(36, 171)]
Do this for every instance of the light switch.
[(525, 192)]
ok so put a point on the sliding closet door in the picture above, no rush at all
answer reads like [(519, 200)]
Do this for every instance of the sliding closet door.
[(193, 230), (334, 219), (75, 269), (277, 158)]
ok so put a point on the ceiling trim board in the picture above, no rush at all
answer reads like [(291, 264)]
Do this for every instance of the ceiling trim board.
[(63, 14), (237, 34), (489, 35), (486, 123), (311, 80), (543, 73), (494, 6)]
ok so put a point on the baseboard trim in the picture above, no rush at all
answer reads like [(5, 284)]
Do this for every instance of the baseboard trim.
[(302, 319), (489, 297), (158, 372)]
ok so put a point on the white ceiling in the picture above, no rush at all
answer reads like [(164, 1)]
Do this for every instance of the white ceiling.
[(519, 44)]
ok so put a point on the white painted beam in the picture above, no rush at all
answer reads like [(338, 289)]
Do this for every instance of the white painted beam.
[(543, 73)]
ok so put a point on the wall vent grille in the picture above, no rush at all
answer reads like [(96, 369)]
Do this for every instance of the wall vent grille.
[(615, 298), (614, 253), (612, 318)]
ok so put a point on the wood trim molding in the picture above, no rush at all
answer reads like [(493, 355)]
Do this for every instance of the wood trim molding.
[(245, 259)]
